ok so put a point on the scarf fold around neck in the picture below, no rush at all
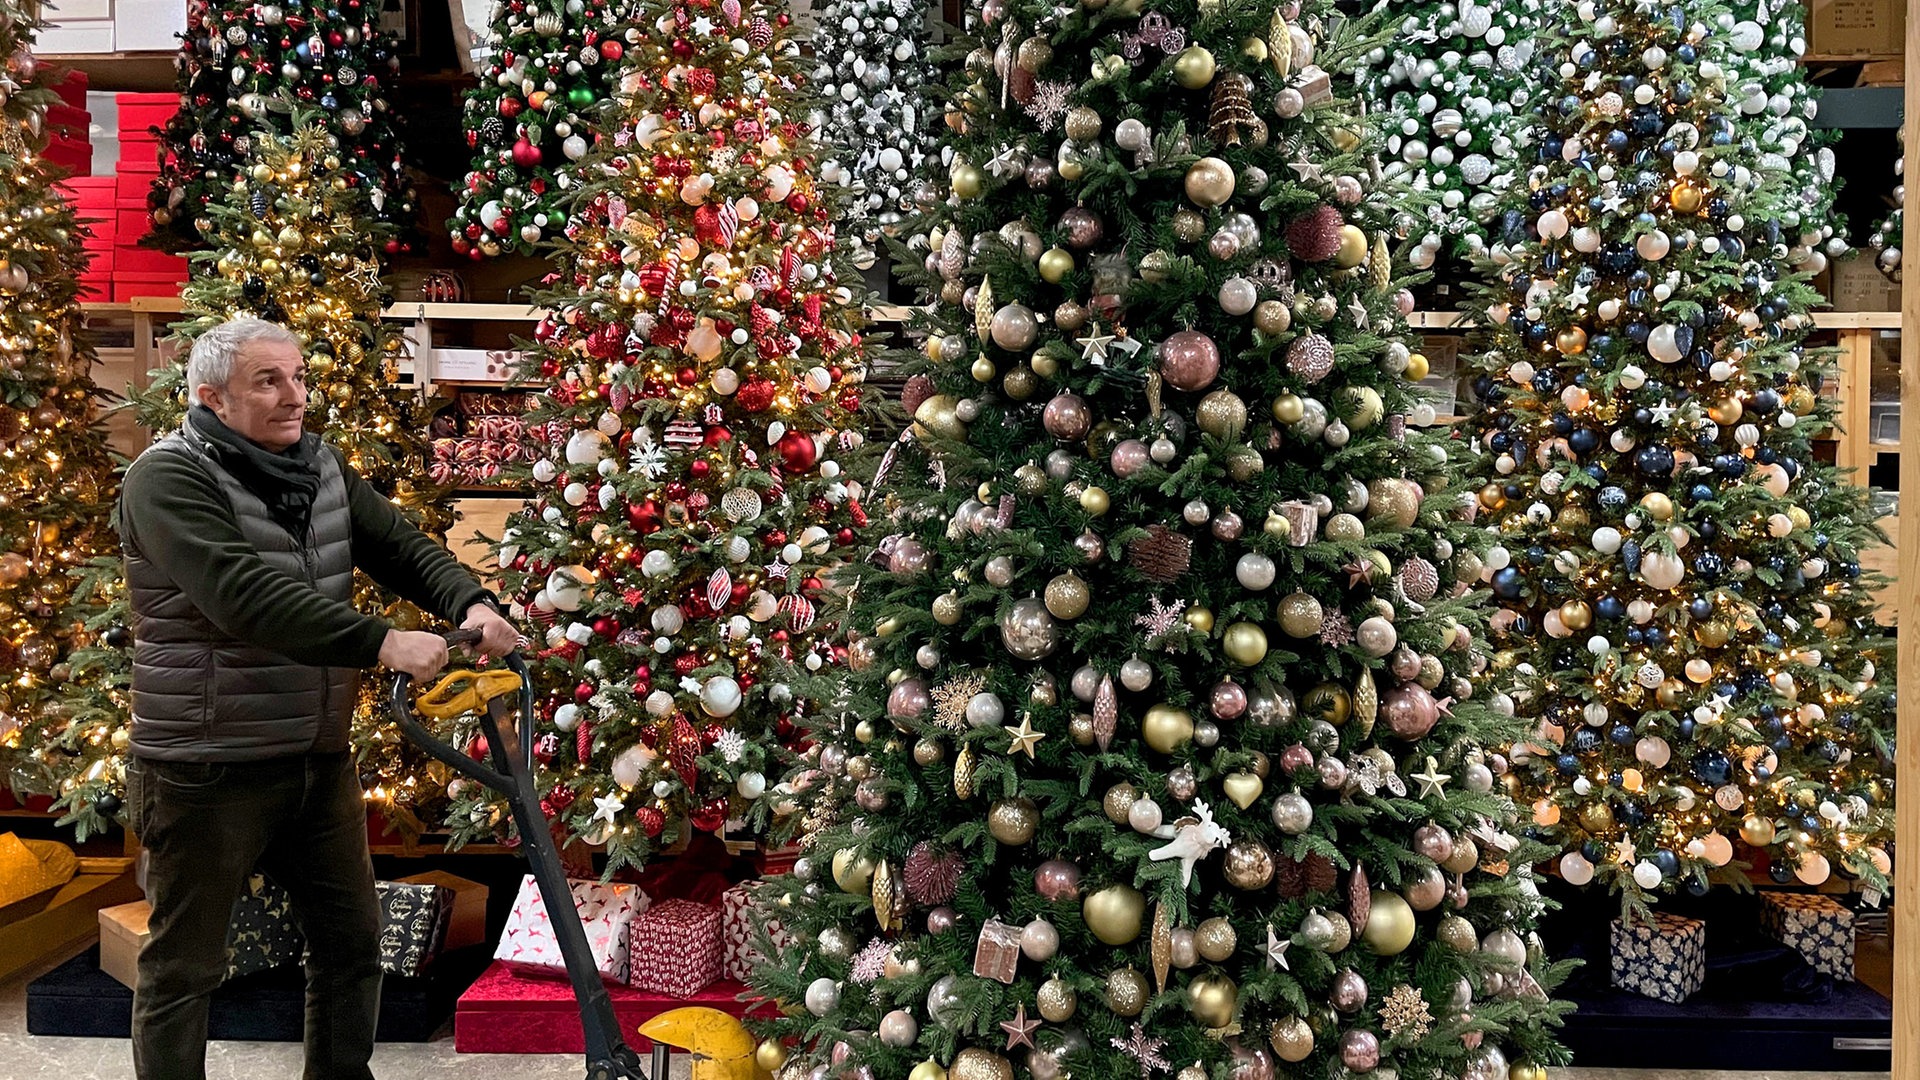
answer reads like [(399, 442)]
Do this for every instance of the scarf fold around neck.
[(286, 481)]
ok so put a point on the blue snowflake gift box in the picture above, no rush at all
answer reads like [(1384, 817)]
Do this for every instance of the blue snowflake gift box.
[(1664, 959), (1817, 927)]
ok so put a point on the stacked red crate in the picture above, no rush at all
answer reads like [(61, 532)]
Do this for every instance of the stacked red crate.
[(92, 198), (139, 271)]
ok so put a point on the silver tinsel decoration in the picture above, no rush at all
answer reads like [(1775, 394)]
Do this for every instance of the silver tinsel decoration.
[(871, 56)]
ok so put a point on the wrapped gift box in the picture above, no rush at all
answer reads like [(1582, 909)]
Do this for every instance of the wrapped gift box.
[(413, 925), (678, 948), (740, 918), (262, 933), (123, 931), (467, 914), (606, 911), (1816, 927), (1665, 960), (507, 1013)]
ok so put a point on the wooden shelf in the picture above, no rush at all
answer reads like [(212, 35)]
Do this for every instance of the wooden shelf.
[(147, 71)]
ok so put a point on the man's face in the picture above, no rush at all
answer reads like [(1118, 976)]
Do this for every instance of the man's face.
[(265, 400)]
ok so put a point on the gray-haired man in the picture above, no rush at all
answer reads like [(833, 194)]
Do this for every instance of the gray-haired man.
[(241, 532)]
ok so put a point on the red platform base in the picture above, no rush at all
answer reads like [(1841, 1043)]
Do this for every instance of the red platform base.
[(505, 1013)]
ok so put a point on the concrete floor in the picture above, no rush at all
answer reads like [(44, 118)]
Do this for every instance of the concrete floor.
[(28, 1057)]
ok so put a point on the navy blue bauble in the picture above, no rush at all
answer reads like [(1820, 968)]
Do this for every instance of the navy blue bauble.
[(1507, 583), (1630, 556), (1712, 767), (1654, 460)]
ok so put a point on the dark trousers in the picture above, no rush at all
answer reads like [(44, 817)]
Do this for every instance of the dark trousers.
[(302, 822)]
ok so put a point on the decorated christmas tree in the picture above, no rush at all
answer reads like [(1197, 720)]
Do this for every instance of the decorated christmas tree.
[(1458, 81), (293, 241), (1161, 742), (531, 119), (1889, 234), (870, 62), (702, 371), (239, 59), (1684, 621), (1776, 101), (58, 480)]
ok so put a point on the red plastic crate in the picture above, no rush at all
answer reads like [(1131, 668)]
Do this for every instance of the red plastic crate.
[(129, 259), (128, 286)]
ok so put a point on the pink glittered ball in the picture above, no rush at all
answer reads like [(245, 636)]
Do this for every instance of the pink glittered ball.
[(1315, 235), (1310, 357)]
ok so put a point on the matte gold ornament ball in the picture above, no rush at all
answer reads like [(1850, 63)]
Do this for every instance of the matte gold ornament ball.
[(1166, 728), (1115, 913), (1213, 999), (1390, 924)]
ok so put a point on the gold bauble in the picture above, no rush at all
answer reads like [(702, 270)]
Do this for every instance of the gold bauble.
[(1390, 924), (1289, 408), (1571, 341), (983, 370), (1213, 999), (1114, 913), (928, 1070), (1526, 1070), (1362, 406), (1291, 1038), (1188, 225), (1345, 528), (1082, 124), (1353, 248), (1417, 367), (1080, 729), (1669, 693), (1057, 1001), (770, 1055), (1200, 619), (974, 1063), (852, 872), (1300, 615), (936, 416), (969, 182), (1245, 644), (1021, 383), (1713, 633), (1244, 463), (1222, 415), (1067, 596), (1576, 614), (1044, 365), (1194, 67), (947, 609), (1757, 831), (1118, 802), (1685, 198), (1272, 317), (1166, 729), (1033, 54), (1248, 865), (1095, 501), (1215, 939), (1727, 410), (1596, 817), (1330, 702), (1055, 264), (1658, 505), (1209, 182), (1127, 991), (928, 751), (1155, 266), (1254, 49), (1071, 166), (1013, 821)]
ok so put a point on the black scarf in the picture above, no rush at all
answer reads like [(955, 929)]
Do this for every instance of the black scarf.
[(287, 481)]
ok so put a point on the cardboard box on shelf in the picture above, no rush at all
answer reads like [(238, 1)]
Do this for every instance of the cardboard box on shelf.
[(1856, 284), (1856, 28)]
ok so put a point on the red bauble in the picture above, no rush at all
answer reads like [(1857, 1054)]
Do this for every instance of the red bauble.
[(525, 154), (797, 450), (477, 749), (687, 376), (715, 436), (755, 395), (741, 590), (510, 107), (700, 469), (606, 627), (686, 663), (582, 692), (812, 586), (612, 49), (843, 538), (711, 817), (797, 202), (676, 490)]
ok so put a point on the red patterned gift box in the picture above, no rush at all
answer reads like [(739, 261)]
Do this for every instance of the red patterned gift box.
[(606, 911), (504, 1013), (739, 917), (677, 948)]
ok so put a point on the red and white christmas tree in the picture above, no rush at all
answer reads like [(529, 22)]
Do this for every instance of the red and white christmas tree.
[(703, 367)]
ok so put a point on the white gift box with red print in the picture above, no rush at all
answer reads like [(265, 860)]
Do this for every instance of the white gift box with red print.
[(677, 948), (606, 912), (739, 917)]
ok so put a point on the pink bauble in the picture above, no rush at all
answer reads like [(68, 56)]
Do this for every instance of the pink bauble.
[(1254, 1064), (1067, 417), (908, 700), (1129, 456), (1295, 757), (1360, 1051), (1057, 880), (1228, 700), (1189, 360), (1409, 710)]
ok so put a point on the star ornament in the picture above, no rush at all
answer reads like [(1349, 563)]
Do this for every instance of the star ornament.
[(1024, 737), (1277, 950), (1094, 346), (605, 807), (1433, 782), (1020, 1029)]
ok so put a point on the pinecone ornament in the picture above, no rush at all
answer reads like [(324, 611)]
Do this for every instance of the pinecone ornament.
[(932, 876), (1315, 235), (1162, 555)]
